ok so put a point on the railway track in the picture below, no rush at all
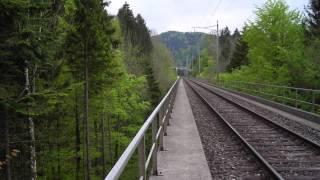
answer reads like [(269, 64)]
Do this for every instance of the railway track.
[(226, 154), (285, 154)]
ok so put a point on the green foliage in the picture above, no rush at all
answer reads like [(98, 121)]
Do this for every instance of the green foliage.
[(239, 57), (56, 42), (208, 65), (226, 48), (183, 45), (275, 50), (313, 43), (275, 41), (313, 20), (162, 65), (137, 46)]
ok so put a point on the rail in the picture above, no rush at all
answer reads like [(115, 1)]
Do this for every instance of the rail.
[(247, 144), (300, 98), (160, 116), (288, 131)]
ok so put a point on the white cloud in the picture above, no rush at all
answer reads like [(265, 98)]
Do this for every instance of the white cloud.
[(182, 15)]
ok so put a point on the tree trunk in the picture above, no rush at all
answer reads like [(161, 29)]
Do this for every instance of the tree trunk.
[(96, 141), (7, 140), (33, 162), (110, 142), (86, 112), (103, 145), (116, 148), (58, 176), (78, 158)]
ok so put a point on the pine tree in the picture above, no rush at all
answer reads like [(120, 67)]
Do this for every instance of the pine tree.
[(127, 23), (143, 36), (225, 45), (25, 59), (236, 34), (137, 39), (313, 20), (239, 56), (94, 63)]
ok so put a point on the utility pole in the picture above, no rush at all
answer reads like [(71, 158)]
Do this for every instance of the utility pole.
[(191, 63), (186, 67), (211, 29), (199, 57), (188, 64), (218, 51), (198, 49)]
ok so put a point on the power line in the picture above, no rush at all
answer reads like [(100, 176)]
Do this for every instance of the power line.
[(213, 12), (217, 45), (217, 7)]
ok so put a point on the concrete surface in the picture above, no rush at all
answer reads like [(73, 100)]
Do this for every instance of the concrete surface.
[(184, 158)]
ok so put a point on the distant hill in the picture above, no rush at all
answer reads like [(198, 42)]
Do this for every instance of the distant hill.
[(184, 45)]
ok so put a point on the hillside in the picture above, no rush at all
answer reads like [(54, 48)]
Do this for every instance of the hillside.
[(185, 45)]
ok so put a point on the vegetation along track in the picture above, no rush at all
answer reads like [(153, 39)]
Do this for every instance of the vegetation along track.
[(286, 154)]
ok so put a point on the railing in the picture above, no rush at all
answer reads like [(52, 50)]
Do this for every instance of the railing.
[(160, 116), (301, 98)]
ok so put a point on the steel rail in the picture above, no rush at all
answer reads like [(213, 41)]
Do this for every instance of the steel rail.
[(252, 149), (120, 165), (315, 144)]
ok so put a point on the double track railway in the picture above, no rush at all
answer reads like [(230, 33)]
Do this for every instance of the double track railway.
[(280, 152)]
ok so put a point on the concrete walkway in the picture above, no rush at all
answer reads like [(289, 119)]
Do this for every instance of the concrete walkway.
[(184, 158)]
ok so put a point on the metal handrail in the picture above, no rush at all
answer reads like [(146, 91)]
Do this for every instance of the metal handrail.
[(278, 86), (313, 93), (162, 114), (281, 97)]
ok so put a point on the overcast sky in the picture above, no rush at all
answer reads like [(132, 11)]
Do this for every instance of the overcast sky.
[(182, 15)]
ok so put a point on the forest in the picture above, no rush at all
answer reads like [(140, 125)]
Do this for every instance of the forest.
[(76, 85)]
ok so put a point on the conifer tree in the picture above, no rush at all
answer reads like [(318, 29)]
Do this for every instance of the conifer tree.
[(92, 35), (239, 56), (25, 58), (313, 20), (226, 47), (137, 37)]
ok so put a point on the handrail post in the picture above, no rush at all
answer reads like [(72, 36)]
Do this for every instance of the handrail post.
[(161, 123), (172, 98), (284, 96), (166, 105), (142, 159), (313, 102), (169, 108), (155, 142), (296, 99)]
